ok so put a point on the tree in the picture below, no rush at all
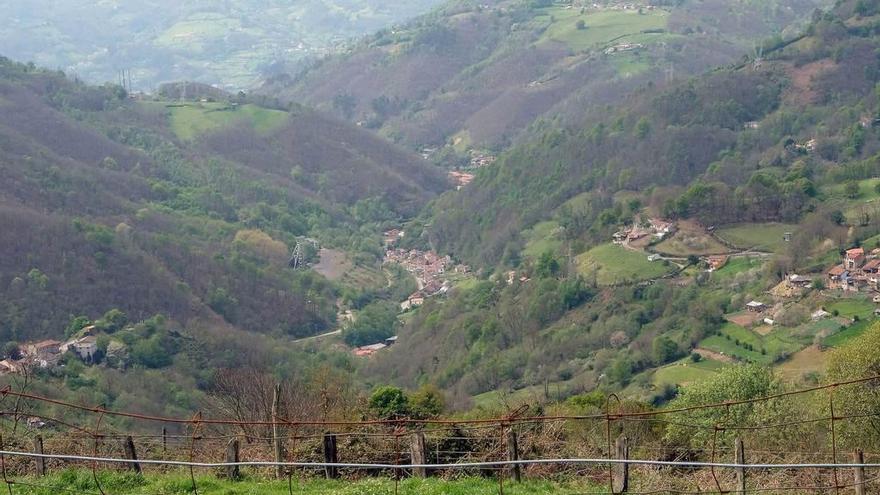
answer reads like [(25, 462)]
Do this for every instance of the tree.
[(375, 323), (730, 384), (389, 402), (112, 321), (548, 265), (851, 189), (643, 128), (76, 324), (664, 350), (857, 359), (11, 350), (426, 402)]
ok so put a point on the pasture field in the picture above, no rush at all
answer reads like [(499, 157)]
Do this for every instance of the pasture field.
[(760, 236), (192, 120), (602, 27), (615, 264)]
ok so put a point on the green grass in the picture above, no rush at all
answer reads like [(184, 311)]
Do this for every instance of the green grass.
[(179, 484), (196, 119), (852, 307), (776, 343), (602, 27), (844, 336), (866, 190), (736, 266), (541, 238), (760, 236), (615, 264), (686, 371)]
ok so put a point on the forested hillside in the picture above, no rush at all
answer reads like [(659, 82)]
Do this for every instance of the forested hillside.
[(743, 184), (187, 209), (474, 74)]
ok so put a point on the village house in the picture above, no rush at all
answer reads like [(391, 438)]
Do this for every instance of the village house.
[(8, 366), (391, 237), (44, 354), (716, 262), (460, 179), (84, 347), (369, 350), (819, 314), (800, 281), (854, 258), (756, 307), (836, 277)]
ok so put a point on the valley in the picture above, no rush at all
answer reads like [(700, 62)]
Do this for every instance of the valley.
[(515, 239)]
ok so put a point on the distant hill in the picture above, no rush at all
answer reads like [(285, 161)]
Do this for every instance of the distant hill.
[(229, 43), (185, 209), (474, 75)]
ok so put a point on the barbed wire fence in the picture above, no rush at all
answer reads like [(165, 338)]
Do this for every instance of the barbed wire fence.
[(602, 449)]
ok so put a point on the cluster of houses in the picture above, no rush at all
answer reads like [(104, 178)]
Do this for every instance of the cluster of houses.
[(859, 271), (47, 353), (480, 159), (655, 229), (429, 270)]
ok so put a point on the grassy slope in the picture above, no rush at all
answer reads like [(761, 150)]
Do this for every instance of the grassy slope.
[(602, 27), (686, 371), (763, 236), (173, 484), (540, 239), (194, 120), (614, 264)]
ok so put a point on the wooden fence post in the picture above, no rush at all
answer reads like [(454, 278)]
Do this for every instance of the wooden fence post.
[(331, 472), (859, 458), (232, 456), (41, 461), (164, 439), (620, 479), (419, 452), (513, 455), (130, 453), (276, 437), (740, 471)]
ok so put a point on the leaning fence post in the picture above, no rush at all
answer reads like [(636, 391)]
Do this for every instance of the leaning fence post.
[(859, 458), (276, 437), (41, 461), (233, 471), (620, 479), (331, 472), (130, 453), (513, 455), (419, 453), (740, 471)]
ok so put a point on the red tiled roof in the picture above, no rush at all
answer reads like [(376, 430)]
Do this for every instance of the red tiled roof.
[(855, 252), (837, 270)]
